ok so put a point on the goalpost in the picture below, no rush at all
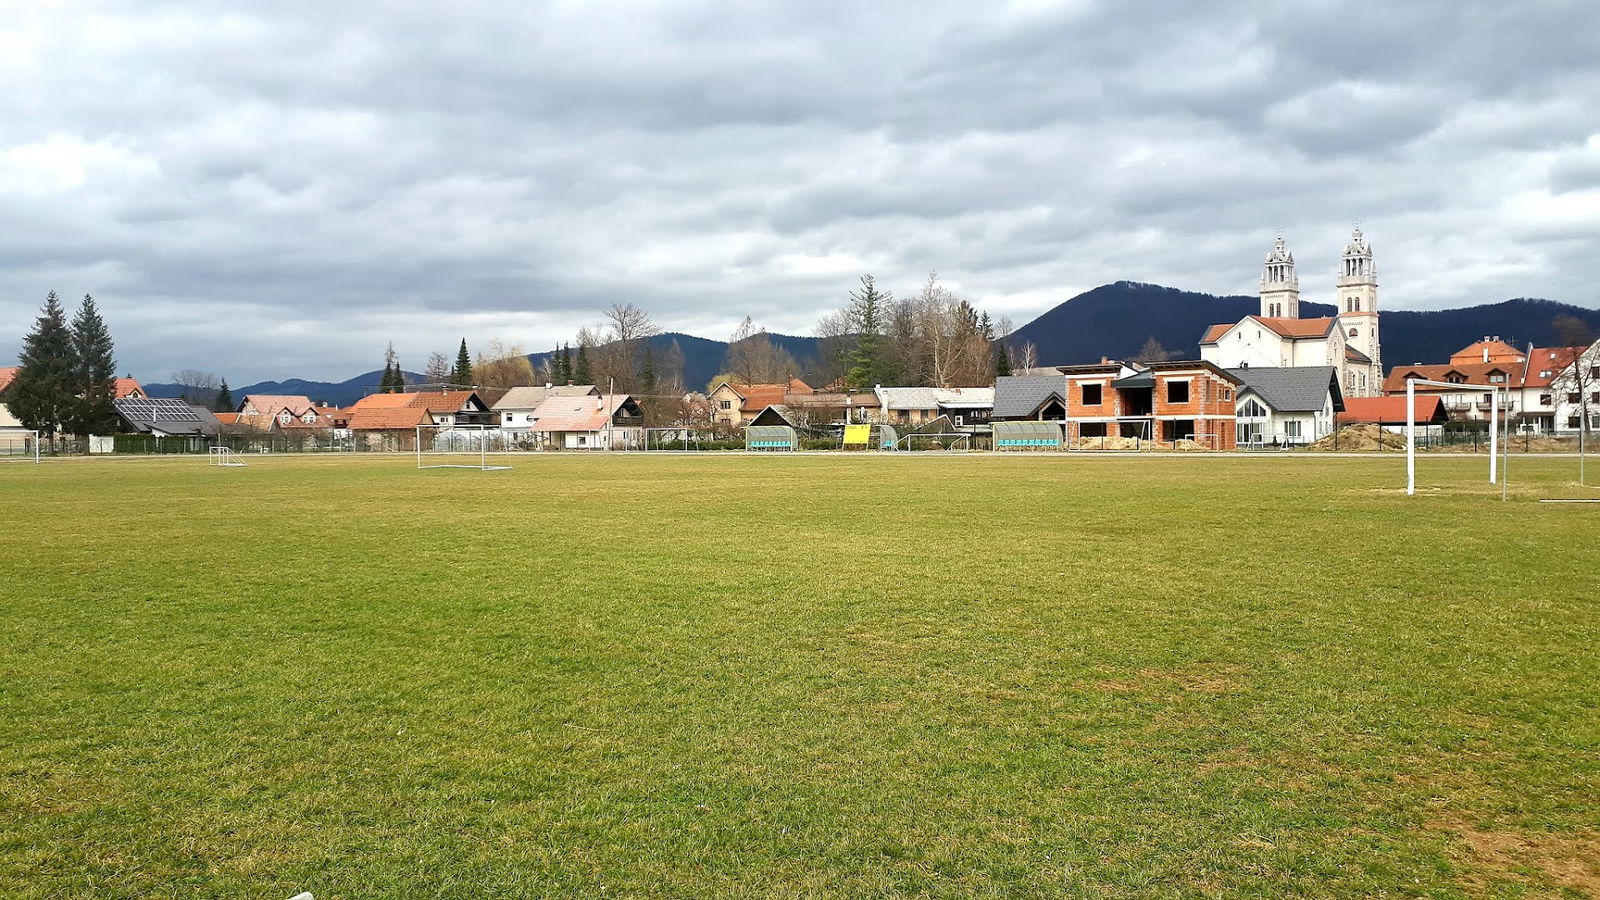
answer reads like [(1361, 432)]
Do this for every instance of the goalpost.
[(1497, 466), (28, 449), (455, 447), (224, 457)]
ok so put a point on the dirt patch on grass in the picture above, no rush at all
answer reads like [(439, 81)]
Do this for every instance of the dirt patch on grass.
[(1213, 680), (1568, 860)]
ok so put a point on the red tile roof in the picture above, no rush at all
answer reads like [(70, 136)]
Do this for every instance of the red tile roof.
[(6, 375), (1553, 360), (1467, 376), (126, 387), (1389, 410), (385, 412), (1294, 329), (589, 413), (1497, 350), (757, 397)]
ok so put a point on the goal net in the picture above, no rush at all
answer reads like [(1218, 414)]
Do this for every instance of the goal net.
[(225, 458), (1498, 402), (458, 447), (17, 445)]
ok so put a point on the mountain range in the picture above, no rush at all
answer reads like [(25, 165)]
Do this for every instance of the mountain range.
[(1112, 320)]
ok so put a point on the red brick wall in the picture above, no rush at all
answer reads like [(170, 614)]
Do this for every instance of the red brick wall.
[(1108, 398)]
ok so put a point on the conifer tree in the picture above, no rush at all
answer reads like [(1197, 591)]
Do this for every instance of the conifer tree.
[(95, 371), (43, 395), (1002, 360), (462, 376), (224, 398), (581, 370), (392, 381), (647, 373), (866, 316), (567, 373)]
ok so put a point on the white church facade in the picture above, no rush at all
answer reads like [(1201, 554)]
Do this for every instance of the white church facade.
[(1278, 337)]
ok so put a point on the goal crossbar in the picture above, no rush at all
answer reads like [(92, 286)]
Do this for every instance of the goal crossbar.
[(224, 457), (435, 432), (1495, 474), (30, 446)]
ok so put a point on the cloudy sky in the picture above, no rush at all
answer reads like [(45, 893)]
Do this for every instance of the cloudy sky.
[(280, 188)]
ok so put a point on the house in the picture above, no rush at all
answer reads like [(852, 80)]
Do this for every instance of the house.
[(516, 408), (776, 415), (126, 388), (1389, 413), (734, 404), (15, 440), (967, 408), (840, 407), (1278, 338), (165, 418), (1286, 406), (598, 422), (1541, 393), (274, 412), (1161, 401), (1039, 398)]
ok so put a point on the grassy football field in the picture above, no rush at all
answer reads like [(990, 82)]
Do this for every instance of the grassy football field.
[(798, 677)]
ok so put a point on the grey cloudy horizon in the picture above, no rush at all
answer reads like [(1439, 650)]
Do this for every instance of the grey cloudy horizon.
[(268, 190)]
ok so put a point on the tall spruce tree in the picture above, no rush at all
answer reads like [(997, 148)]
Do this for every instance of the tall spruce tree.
[(224, 399), (567, 374), (866, 317), (580, 371), (44, 396), (647, 372), (392, 381), (462, 376), (95, 372), (1002, 360)]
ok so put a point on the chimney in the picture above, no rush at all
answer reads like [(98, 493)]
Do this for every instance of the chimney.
[(1485, 352)]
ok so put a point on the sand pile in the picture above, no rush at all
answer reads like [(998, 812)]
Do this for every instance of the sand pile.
[(1357, 438)]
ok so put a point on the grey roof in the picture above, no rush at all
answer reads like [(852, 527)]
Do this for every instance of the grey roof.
[(935, 398), (1145, 379), (776, 414), (1294, 388), (1018, 396), (150, 415), (531, 397)]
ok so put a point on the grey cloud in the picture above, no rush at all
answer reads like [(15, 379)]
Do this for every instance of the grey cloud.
[(281, 188)]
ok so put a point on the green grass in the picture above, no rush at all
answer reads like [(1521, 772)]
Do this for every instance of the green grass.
[(797, 676)]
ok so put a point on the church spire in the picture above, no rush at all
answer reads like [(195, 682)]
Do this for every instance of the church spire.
[(1280, 285)]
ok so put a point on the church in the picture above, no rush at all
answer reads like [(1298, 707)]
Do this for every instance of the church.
[(1277, 337)]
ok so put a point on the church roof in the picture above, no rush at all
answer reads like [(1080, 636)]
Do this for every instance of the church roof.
[(1293, 329)]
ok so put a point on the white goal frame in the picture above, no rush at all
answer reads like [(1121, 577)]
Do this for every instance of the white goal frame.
[(1495, 474), (27, 435), (960, 435), (224, 457), (482, 431)]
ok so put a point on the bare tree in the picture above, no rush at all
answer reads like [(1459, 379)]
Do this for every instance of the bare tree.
[(1028, 356), (502, 366), (754, 359), (950, 347), (628, 327), (199, 388), (1572, 331), (1152, 351), (438, 369)]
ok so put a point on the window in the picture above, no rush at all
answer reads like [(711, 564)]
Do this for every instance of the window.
[(1497, 379), (1292, 428), (1572, 421), (582, 440), (1352, 332), (1594, 397), (1487, 399), (1091, 394), (1594, 371), (1177, 392), (1227, 393), (726, 404), (1544, 399), (1252, 410), (1544, 373), (1573, 397)]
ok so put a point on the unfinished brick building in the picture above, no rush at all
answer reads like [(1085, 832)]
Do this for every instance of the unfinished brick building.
[(1161, 401)]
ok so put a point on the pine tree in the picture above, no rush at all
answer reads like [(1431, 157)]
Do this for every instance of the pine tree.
[(1002, 360), (95, 371), (647, 373), (462, 376), (43, 395), (567, 372), (581, 370), (224, 398), (393, 382), (866, 316)]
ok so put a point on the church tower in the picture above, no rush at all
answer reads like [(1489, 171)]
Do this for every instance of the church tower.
[(1358, 305), (1280, 286)]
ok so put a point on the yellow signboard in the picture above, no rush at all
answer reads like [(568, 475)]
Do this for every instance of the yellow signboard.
[(857, 435)]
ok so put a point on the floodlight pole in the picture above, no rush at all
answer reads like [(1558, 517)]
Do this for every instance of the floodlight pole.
[(1411, 436)]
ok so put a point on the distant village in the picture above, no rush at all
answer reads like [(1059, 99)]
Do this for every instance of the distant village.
[(1270, 380)]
